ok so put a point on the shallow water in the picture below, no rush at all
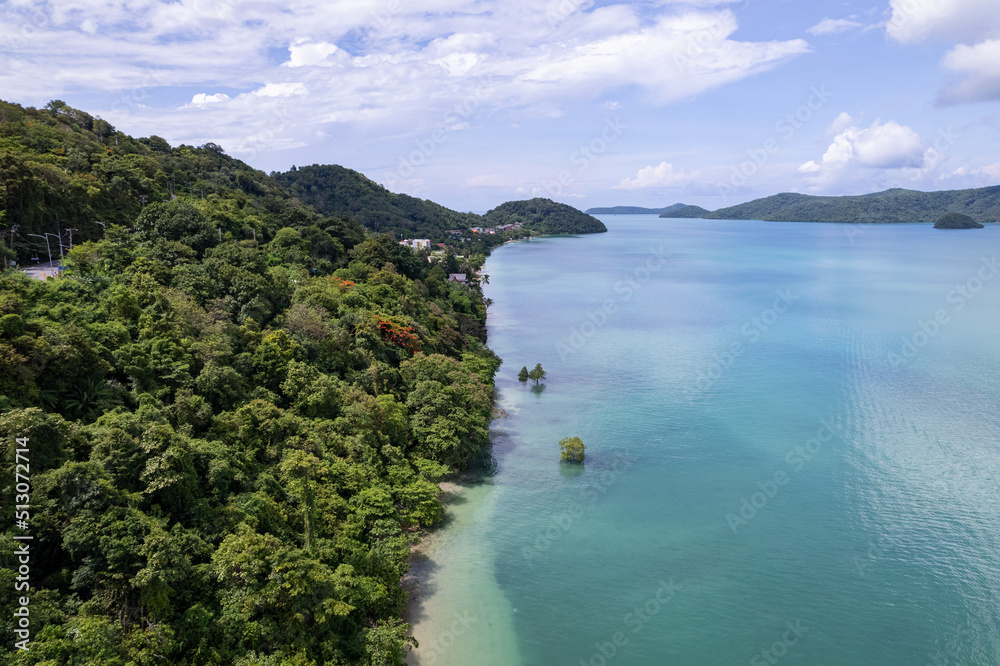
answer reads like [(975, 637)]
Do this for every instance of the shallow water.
[(792, 452)]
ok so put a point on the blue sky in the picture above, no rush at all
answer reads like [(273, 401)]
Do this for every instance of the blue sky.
[(472, 103)]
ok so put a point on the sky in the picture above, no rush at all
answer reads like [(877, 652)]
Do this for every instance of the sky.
[(471, 103)]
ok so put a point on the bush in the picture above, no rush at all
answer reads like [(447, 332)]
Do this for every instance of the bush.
[(573, 450)]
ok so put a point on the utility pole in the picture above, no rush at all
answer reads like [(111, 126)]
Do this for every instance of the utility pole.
[(48, 250), (70, 230), (59, 240)]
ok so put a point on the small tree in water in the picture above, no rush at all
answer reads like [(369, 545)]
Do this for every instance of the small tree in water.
[(523, 375), (572, 449), (537, 373)]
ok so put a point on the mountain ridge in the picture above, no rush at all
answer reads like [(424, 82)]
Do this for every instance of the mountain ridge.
[(892, 206)]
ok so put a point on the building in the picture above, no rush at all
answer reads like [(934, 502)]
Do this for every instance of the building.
[(457, 277), (417, 243)]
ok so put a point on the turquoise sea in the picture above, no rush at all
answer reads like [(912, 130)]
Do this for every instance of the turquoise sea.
[(793, 453)]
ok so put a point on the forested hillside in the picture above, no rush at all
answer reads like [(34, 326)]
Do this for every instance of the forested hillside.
[(891, 206), (686, 211), (237, 410), (545, 217), (334, 190), (633, 210)]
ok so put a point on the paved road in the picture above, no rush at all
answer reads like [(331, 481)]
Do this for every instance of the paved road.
[(41, 271)]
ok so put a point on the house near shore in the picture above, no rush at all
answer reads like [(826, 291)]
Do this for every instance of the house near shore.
[(457, 277), (417, 243)]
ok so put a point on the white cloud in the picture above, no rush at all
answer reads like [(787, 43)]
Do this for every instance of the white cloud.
[(981, 66), (840, 123), (201, 99), (407, 65), (991, 171), (858, 155), (829, 26), (881, 146), (281, 90), (954, 20), (974, 23), (887, 155), (888, 146), (304, 53), (662, 175)]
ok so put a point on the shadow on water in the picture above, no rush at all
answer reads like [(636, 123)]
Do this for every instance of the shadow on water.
[(538, 389), (480, 470), (571, 470), (417, 586)]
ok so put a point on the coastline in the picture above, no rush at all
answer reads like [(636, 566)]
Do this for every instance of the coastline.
[(455, 608)]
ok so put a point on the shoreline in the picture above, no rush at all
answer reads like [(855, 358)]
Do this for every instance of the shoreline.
[(450, 575), (417, 580)]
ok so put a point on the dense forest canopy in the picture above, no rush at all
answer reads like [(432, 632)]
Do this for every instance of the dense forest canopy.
[(545, 217), (238, 408), (334, 190)]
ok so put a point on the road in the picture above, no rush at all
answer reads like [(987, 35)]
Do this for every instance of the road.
[(41, 271)]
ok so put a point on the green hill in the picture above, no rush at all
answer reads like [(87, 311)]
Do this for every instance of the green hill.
[(61, 168), (891, 206), (334, 190), (957, 221), (632, 210), (687, 211), (545, 217), (236, 410)]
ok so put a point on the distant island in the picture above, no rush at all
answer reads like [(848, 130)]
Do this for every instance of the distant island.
[(688, 211), (633, 210), (889, 207), (545, 217), (957, 221)]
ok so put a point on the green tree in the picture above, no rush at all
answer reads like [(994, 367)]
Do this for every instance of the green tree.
[(572, 449), (537, 373), (524, 375)]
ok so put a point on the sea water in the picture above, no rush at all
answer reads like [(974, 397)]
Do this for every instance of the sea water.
[(793, 453)]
